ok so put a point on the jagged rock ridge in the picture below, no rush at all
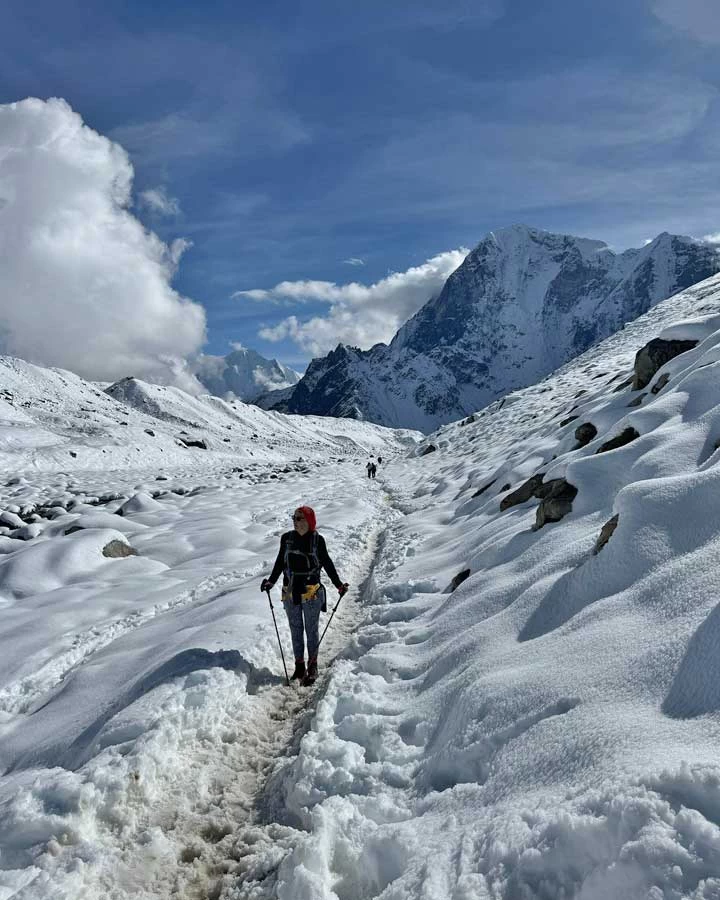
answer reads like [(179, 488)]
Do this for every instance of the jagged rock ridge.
[(523, 303)]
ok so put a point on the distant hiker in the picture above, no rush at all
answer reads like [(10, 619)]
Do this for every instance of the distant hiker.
[(379, 459), (302, 555), (373, 469), (369, 468)]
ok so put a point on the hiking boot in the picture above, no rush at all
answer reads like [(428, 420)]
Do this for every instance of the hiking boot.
[(311, 671), (299, 670)]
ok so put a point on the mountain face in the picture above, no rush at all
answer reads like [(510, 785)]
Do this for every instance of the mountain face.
[(244, 374), (523, 302)]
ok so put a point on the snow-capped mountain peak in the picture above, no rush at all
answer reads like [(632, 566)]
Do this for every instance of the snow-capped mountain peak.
[(523, 303), (244, 374)]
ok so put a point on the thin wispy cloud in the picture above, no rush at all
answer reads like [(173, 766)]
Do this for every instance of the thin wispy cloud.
[(354, 261), (698, 19), (360, 315), (158, 201)]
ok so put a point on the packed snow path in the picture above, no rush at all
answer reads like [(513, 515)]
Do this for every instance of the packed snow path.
[(143, 717)]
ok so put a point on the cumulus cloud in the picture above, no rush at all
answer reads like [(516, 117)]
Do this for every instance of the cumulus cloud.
[(82, 284), (158, 201), (697, 18), (360, 315), (712, 238)]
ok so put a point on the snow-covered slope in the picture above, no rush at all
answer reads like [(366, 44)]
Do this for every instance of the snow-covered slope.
[(243, 374), (57, 419), (523, 303), (545, 727)]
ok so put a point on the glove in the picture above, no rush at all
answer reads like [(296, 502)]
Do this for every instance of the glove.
[(343, 589), (266, 585)]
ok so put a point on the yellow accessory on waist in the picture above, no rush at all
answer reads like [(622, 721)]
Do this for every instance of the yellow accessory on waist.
[(309, 594)]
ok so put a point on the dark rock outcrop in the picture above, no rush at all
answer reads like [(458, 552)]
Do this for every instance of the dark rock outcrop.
[(486, 487), (192, 442), (626, 436), (118, 549), (606, 533), (653, 356), (523, 493), (458, 580), (585, 433), (557, 503), (660, 383), (568, 420)]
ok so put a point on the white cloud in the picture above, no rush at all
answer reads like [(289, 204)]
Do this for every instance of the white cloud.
[(697, 18), (83, 285), (354, 261), (179, 247), (158, 201), (360, 315), (712, 238)]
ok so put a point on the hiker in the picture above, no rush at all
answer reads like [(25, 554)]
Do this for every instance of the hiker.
[(302, 555), (373, 469), (369, 468), (379, 460)]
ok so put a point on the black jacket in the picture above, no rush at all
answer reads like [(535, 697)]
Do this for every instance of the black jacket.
[(303, 543)]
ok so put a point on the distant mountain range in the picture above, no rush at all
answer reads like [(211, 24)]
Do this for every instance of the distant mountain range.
[(243, 374), (523, 302)]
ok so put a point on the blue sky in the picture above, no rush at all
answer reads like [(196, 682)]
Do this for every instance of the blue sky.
[(292, 138)]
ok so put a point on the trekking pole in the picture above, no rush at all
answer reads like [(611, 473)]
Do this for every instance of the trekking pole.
[(272, 610), (330, 619)]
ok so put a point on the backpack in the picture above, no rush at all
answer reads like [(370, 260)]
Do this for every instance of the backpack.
[(302, 571)]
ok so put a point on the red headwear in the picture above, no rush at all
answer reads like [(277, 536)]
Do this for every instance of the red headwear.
[(309, 514)]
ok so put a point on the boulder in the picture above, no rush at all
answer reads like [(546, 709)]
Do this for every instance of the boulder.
[(660, 383), (523, 493), (624, 384), (653, 356), (557, 503), (625, 437), (118, 549), (568, 421), (584, 434), (190, 442), (458, 580), (141, 502), (482, 490), (431, 448), (606, 533), (638, 400)]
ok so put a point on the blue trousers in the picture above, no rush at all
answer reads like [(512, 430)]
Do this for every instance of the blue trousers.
[(305, 619)]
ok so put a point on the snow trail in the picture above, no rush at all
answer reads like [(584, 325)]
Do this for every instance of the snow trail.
[(179, 808)]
